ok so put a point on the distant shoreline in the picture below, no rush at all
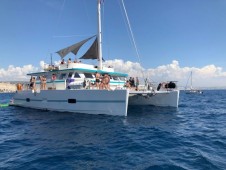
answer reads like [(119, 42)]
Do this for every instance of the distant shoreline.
[(7, 87)]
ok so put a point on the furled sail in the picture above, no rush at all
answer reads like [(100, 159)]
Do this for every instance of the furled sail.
[(92, 52), (73, 48)]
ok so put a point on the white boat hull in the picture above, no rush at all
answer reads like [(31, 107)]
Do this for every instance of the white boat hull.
[(81, 101), (157, 98)]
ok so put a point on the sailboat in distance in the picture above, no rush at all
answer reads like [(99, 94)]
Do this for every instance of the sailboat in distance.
[(94, 89), (191, 90)]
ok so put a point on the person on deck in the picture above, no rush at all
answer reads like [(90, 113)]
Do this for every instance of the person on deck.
[(127, 85), (32, 83), (41, 82), (97, 76), (44, 82), (137, 84), (69, 61), (62, 62)]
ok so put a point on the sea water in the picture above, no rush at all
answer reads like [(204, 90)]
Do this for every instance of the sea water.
[(190, 137)]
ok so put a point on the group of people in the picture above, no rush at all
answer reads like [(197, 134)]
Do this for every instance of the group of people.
[(52, 67), (32, 84), (132, 83), (102, 82), (69, 61), (43, 81)]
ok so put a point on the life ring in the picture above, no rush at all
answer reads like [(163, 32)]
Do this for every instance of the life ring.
[(54, 77)]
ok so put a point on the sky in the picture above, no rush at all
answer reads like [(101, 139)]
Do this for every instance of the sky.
[(173, 37)]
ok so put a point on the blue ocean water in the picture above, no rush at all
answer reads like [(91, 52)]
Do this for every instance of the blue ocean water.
[(190, 137)]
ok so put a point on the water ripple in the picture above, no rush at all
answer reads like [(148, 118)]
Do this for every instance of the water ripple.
[(190, 137)]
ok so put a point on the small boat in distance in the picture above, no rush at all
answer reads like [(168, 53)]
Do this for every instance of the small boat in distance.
[(191, 90), (94, 89)]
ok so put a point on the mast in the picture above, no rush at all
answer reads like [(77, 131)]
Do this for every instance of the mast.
[(99, 34), (191, 80)]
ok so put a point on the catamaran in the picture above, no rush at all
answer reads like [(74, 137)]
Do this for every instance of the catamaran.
[(192, 90), (72, 86)]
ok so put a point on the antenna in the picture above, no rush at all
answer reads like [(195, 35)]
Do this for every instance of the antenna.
[(51, 59)]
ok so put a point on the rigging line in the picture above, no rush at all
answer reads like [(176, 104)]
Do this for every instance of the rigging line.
[(127, 29), (134, 43), (187, 81), (58, 21)]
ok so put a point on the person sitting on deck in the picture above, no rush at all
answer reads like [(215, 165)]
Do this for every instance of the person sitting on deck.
[(62, 62), (75, 61), (105, 82), (69, 61)]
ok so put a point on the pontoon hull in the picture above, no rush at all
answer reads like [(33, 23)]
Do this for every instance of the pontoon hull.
[(157, 98), (82, 101)]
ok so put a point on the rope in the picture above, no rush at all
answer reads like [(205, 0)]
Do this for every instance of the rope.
[(132, 35)]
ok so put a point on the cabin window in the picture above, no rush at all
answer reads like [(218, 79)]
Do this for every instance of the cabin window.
[(115, 77), (71, 100), (70, 74), (76, 75), (122, 78), (48, 76), (88, 75), (63, 76)]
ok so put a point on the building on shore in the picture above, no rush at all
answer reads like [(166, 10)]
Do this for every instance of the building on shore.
[(6, 87)]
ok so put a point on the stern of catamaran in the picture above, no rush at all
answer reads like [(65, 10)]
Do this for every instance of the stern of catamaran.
[(164, 94)]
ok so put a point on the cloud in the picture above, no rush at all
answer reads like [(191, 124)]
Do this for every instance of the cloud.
[(13, 73), (207, 76)]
